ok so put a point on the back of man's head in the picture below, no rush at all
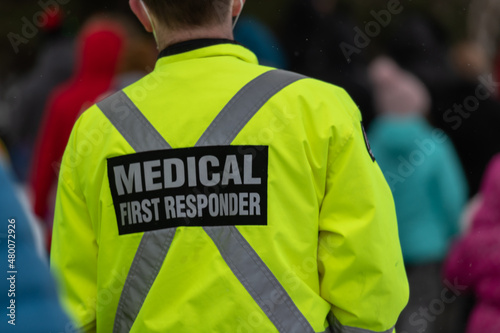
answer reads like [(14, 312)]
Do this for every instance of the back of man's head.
[(179, 14)]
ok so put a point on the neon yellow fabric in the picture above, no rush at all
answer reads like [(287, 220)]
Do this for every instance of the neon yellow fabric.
[(332, 236)]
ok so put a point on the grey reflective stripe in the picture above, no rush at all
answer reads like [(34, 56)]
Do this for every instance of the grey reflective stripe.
[(244, 262), (131, 123), (244, 105), (339, 328), (249, 268), (328, 330), (258, 280), (143, 272), (141, 136), (348, 329)]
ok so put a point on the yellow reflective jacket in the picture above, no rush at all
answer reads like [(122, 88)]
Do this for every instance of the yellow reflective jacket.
[(330, 239)]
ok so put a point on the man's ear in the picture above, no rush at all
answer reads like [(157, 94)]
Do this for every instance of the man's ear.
[(237, 7), (139, 11)]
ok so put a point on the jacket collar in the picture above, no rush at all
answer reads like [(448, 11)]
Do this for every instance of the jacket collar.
[(191, 45), (203, 48)]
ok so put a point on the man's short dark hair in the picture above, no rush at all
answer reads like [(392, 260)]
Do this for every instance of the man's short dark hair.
[(178, 14)]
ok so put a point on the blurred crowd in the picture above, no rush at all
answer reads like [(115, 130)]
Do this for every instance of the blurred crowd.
[(431, 108)]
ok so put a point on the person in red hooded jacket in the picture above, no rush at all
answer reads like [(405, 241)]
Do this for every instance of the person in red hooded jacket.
[(100, 47)]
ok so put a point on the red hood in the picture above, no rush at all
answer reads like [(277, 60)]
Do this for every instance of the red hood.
[(100, 46)]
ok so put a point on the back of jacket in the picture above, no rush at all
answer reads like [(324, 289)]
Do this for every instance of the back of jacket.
[(329, 237)]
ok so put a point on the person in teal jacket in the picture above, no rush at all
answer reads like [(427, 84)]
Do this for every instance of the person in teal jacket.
[(28, 296), (427, 181)]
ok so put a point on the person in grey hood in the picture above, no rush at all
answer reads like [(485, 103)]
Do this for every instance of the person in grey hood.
[(29, 96)]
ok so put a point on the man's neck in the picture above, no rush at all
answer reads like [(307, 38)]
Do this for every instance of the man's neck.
[(168, 38)]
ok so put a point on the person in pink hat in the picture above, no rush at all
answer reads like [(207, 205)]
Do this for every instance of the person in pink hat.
[(474, 261)]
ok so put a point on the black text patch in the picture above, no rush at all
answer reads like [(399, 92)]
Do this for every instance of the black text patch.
[(205, 186)]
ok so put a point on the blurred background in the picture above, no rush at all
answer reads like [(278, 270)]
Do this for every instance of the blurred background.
[(450, 15), (424, 74)]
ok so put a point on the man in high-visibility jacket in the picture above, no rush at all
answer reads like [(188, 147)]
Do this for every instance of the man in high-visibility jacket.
[(217, 195)]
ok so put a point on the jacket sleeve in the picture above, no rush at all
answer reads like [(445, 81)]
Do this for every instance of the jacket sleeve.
[(361, 267), (74, 245)]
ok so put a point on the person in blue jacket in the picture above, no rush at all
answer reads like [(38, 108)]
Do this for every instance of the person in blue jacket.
[(428, 184), (256, 36), (28, 299)]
